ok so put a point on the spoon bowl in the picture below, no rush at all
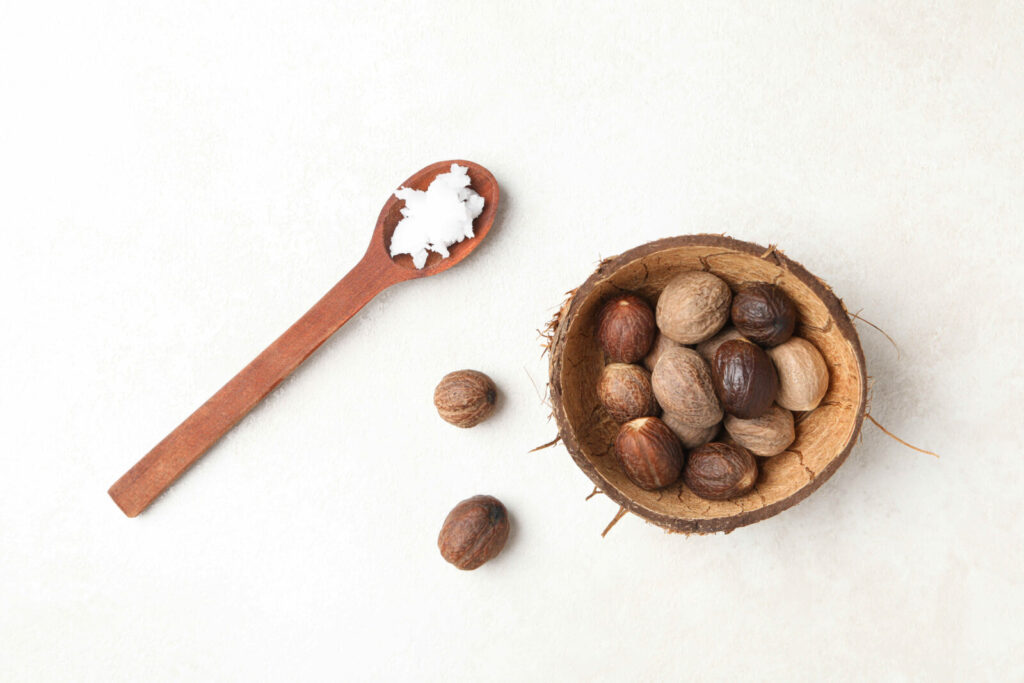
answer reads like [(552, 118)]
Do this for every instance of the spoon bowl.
[(481, 181), (377, 271)]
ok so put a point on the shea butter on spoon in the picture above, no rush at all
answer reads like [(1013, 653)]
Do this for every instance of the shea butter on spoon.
[(437, 218)]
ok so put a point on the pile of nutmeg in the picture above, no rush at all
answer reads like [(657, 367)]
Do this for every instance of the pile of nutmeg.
[(699, 375)]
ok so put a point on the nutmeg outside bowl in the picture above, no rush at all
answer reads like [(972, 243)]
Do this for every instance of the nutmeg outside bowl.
[(824, 436)]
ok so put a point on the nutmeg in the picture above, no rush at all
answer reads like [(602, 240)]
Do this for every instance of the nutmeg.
[(707, 349), (803, 375), (693, 306), (661, 344), (474, 532), (767, 435), (764, 314), (465, 398), (625, 392), (690, 437), (682, 384), (649, 452), (744, 379), (718, 471), (625, 328)]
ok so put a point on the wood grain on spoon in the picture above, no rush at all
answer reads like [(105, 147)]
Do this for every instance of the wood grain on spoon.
[(377, 271)]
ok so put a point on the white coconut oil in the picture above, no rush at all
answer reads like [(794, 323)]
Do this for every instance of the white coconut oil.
[(438, 218)]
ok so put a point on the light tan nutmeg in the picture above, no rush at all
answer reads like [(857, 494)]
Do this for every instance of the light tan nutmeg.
[(803, 375), (661, 344), (690, 437), (682, 384), (625, 392), (465, 398), (767, 435), (693, 306)]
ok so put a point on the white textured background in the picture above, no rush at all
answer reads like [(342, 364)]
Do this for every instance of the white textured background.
[(180, 181)]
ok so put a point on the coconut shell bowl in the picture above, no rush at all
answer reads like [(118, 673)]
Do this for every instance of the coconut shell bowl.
[(824, 436)]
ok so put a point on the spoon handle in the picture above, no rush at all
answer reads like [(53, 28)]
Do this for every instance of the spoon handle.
[(159, 468)]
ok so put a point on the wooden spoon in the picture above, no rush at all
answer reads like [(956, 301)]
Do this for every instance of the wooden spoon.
[(377, 271)]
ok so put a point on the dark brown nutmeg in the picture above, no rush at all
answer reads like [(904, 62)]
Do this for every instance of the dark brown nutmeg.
[(625, 392), (650, 453), (744, 378), (764, 314), (465, 398), (474, 532), (625, 328), (718, 471)]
